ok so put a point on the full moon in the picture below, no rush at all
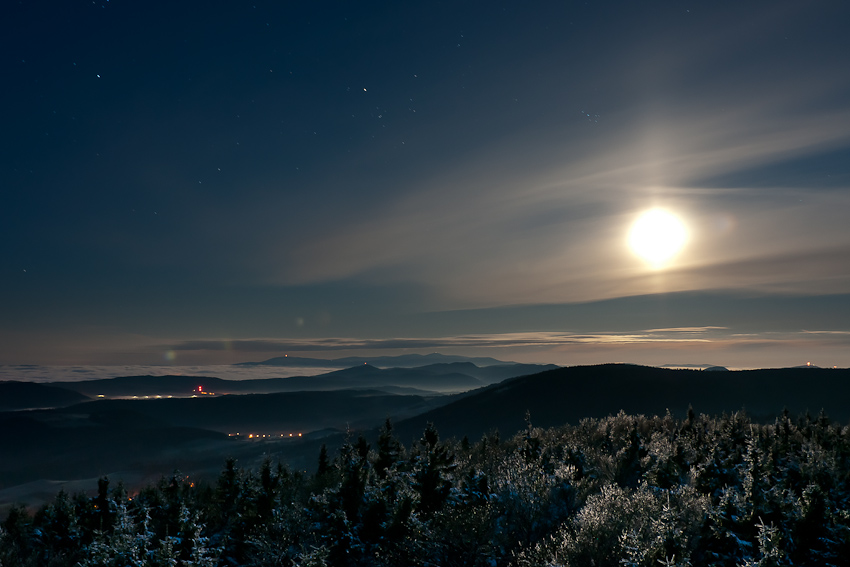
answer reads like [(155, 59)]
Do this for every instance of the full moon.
[(657, 236)]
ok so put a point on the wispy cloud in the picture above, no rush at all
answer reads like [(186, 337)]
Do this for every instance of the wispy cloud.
[(519, 224), (686, 329), (716, 345), (501, 340), (838, 333)]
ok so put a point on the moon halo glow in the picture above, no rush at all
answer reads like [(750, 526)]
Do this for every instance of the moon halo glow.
[(657, 236)]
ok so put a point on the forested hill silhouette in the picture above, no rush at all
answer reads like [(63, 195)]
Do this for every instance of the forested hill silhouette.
[(568, 395)]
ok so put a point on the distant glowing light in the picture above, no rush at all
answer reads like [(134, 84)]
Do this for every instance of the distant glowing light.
[(657, 236)]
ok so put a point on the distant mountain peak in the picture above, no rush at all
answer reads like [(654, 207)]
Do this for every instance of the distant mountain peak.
[(398, 361), (693, 366)]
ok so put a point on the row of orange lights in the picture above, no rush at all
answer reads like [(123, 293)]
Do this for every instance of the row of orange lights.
[(263, 435)]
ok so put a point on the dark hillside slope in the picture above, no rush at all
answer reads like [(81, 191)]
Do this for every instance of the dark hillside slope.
[(28, 395), (499, 372), (58, 445), (567, 395), (284, 412), (485, 374)]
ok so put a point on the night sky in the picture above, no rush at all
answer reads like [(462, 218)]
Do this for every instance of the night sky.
[(210, 182)]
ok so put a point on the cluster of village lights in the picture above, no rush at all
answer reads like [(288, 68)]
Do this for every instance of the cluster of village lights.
[(264, 435)]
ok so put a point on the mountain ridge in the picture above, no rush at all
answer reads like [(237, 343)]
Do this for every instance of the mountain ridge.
[(398, 361), (567, 395), (432, 379)]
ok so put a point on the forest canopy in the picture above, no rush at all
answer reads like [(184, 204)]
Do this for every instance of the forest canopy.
[(625, 490)]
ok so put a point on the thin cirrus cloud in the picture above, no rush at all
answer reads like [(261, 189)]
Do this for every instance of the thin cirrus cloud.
[(504, 340), (707, 334), (813, 271), (538, 232), (710, 344)]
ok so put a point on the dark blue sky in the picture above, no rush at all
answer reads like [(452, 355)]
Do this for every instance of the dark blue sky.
[(331, 177)]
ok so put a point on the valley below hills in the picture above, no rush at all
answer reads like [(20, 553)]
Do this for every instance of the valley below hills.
[(138, 427)]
